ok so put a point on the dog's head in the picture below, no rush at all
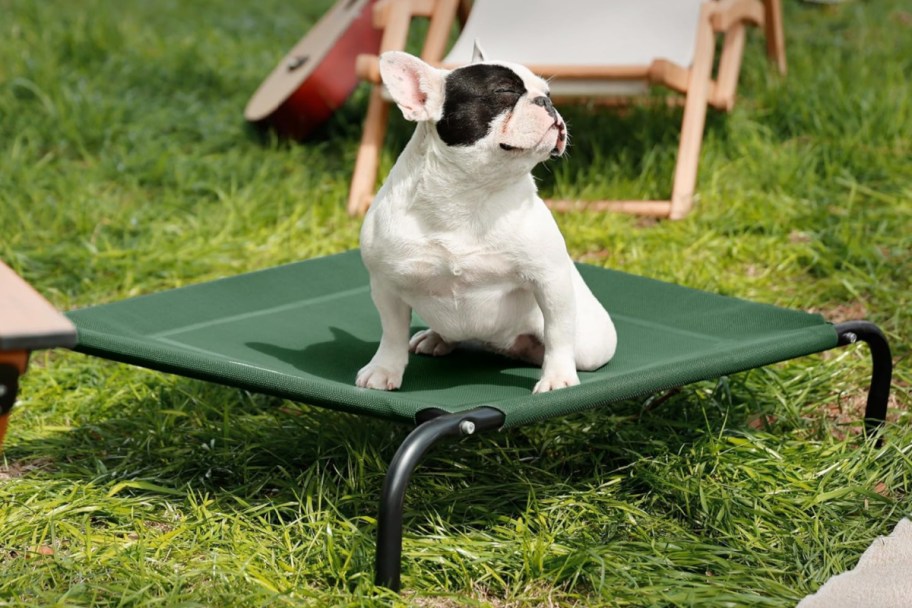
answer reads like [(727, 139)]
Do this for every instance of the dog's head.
[(499, 112)]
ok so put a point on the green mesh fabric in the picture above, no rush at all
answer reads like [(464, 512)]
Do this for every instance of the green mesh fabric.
[(303, 330)]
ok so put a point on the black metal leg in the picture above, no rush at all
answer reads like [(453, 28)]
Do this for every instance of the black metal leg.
[(415, 446), (882, 364)]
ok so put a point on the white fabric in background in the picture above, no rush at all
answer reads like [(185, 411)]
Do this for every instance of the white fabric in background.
[(881, 579), (581, 32)]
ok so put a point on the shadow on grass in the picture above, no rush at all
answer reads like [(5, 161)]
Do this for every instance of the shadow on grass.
[(230, 445), (306, 471)]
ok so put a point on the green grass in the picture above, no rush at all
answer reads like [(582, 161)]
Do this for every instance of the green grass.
[(126, 168)]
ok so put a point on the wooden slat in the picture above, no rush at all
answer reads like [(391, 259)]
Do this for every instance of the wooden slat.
[(423, 8), (647, 208), (669, 74), (368, 68), (27, 320), (723, 96), (364, 175), (729, 12), (398, 16), (465, 7), (692, 124), (595, 72), (4, 423), (439, 30), (775, 39)]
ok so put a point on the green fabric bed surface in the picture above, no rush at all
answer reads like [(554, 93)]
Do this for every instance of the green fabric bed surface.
[(303, 330)]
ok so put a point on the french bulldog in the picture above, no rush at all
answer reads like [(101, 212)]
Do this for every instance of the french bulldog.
[(459, 235)]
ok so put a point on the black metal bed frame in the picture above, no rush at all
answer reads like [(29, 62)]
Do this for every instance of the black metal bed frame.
[(436, 425)]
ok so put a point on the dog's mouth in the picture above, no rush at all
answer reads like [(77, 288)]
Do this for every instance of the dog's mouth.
[(560, 143)]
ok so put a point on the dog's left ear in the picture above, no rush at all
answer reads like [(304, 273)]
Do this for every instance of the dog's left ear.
[(416, 87)]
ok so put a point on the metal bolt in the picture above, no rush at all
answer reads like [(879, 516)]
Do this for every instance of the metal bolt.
[(467, 427), (851, 337), (295, 62)]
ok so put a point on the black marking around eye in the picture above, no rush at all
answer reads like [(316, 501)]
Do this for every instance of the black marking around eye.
[(474, 96)]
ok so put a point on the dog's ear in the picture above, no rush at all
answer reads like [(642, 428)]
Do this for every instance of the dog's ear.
[(416, 87), (478, 54)]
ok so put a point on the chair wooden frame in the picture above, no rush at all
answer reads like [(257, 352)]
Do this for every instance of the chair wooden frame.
[(27, 323), (728, 18)]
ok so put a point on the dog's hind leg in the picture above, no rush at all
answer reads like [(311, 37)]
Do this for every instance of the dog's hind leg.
[(527, 348), (429, 342)]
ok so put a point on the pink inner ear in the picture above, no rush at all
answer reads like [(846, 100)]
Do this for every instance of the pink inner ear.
[(406, 90), (411, 83)]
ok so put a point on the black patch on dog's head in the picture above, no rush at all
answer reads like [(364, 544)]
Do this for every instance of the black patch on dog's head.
[(474, 96)]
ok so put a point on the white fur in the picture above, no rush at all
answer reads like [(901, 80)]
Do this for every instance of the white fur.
[(459, 235)]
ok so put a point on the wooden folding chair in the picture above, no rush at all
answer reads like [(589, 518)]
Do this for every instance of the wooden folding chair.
[(27, 322), (589, 50)]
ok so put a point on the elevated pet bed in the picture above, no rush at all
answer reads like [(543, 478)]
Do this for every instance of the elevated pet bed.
[(303, 330)]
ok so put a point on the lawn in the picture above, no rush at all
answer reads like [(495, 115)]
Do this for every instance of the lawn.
[(126, 168)]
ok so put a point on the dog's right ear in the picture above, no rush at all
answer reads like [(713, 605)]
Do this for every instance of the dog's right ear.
[(478, 54), (416, 87)]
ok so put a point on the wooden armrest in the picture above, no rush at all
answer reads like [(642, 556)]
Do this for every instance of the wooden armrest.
[(27, 320), (367, 67), (729, 12)]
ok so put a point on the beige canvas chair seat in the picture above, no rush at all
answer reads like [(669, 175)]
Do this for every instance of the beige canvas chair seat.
[(582, 33), (587, 49)]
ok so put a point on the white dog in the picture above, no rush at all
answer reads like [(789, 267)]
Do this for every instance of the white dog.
[(459, 234)]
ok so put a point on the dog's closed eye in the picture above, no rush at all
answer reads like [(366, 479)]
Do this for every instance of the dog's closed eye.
[(509, 92)]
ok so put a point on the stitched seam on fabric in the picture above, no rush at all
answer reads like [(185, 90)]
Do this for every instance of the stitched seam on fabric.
[(261, 312), (677, 330)]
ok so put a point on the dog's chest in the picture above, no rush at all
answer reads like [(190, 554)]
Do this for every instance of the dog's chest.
[(440, 267)]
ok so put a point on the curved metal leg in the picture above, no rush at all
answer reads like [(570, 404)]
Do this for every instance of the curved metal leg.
[(415, 446), (882, 372)]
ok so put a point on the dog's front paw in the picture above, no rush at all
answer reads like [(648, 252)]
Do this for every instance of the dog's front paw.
[(379, 377), (429, 342), (554, 381)]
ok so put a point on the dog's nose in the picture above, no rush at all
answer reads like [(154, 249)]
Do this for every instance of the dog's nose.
[(545, 102)]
